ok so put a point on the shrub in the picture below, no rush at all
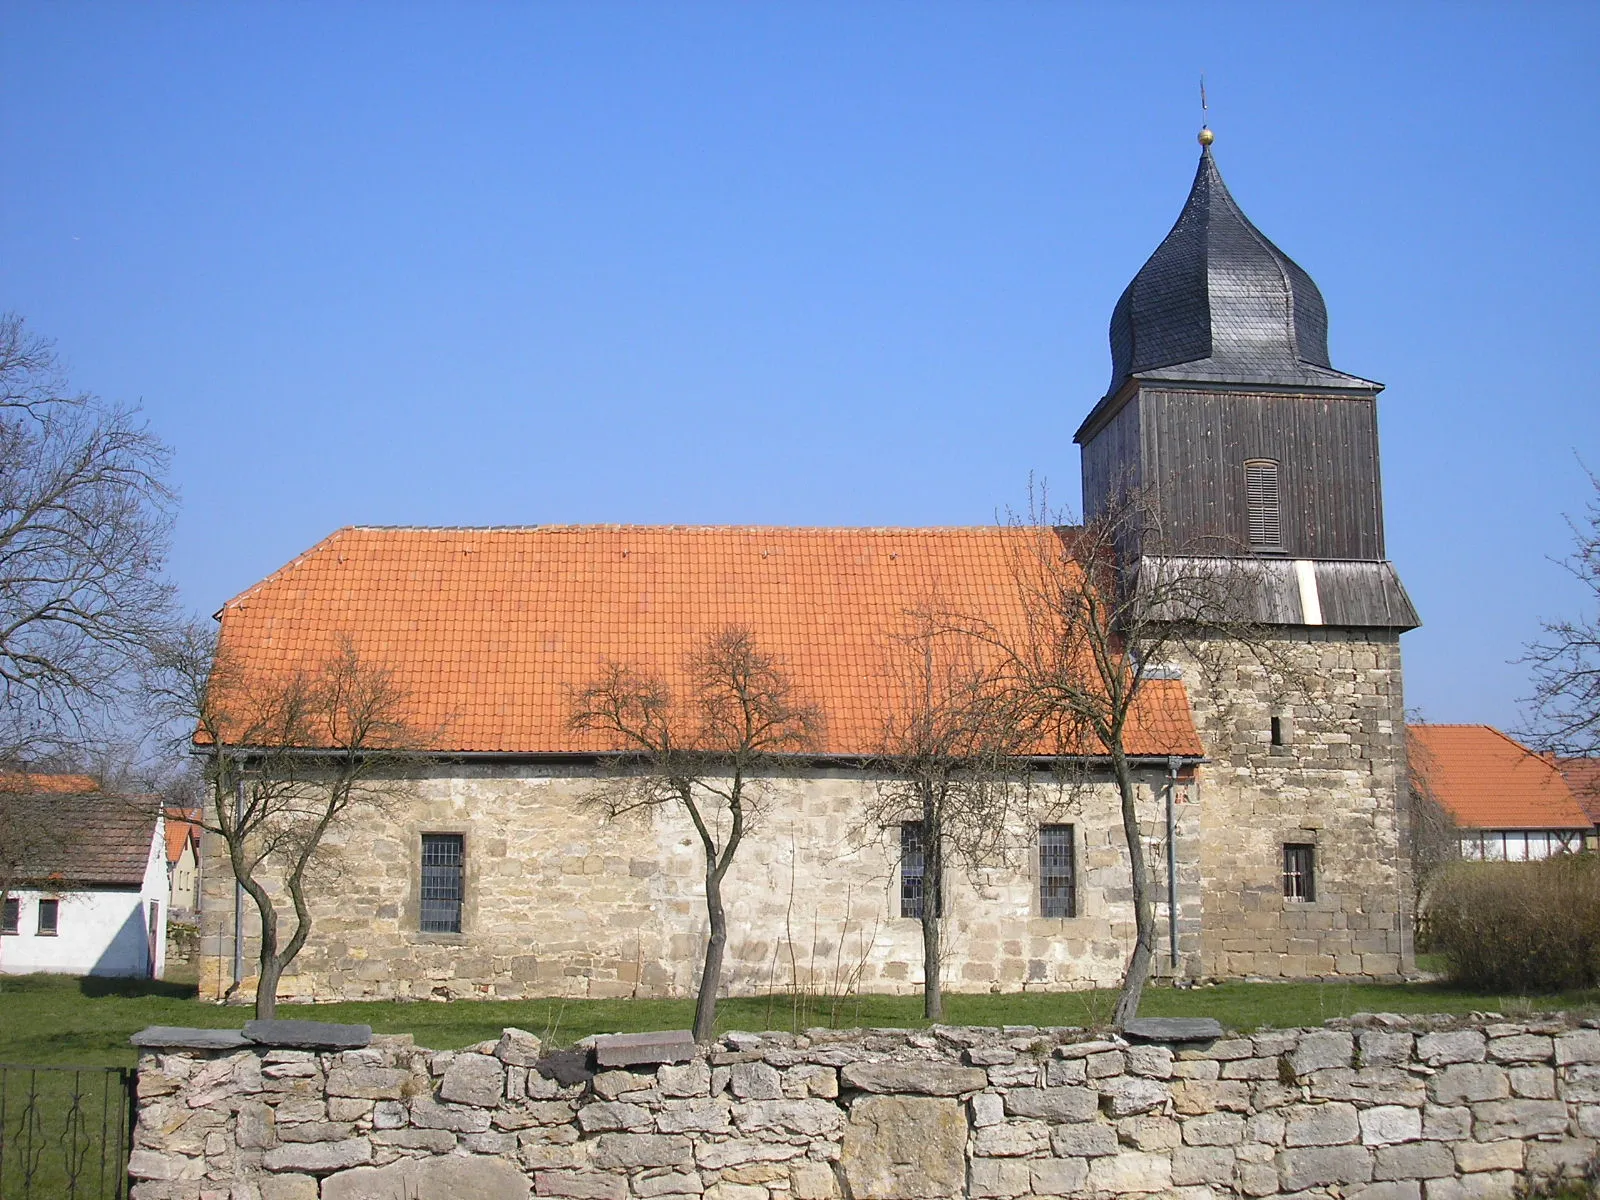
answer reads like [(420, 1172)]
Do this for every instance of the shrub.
[(1522, 927)]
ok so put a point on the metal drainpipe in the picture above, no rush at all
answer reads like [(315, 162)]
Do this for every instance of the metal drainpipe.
[(1172, 862), (238, 896)]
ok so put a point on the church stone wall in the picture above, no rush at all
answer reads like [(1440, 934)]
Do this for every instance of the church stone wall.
[(561, 903), (1337, 784)]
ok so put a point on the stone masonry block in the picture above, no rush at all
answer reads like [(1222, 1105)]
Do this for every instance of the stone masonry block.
[(1214, 1129), (1414, 1160), (1503, 1155), (1579, 1046), (991, 1179), (1498, 1119), (1465, 1083), (1087, 1139), (1460, 1046), (1319, 1050), (1052, 1104), (1131, 1174), (476, 1079), (1314, 1166), (1321, 1125), (1386, 1124), (633, 1151), (1193, 1165)]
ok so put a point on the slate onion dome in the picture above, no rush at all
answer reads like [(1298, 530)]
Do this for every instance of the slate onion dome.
[(1218, 302)]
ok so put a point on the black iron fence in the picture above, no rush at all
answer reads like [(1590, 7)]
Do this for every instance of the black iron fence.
[(65, 1132)]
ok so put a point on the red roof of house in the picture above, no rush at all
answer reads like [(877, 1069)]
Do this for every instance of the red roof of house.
[(490, 631), (181, 827), (1490, 781), (1583, 777), (55, 784)]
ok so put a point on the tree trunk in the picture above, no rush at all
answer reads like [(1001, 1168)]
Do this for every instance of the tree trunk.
[(1144, 910), (932, 901), (705, 1004), (269, 962), (267, 987), (932, 965)]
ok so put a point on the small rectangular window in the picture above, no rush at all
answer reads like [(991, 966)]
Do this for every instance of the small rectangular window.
[(914, 884), (1277, 731), (1262, 504), (443, 887), (1058, 893), (1299, 872), (8, 919), (49, 915)]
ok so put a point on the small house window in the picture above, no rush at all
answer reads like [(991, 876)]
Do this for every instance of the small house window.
[(8, 919), (443, 858), (1299, 872), (1058, 893), (914, 883), (1280, 734), (1262, 504), (49, 915)]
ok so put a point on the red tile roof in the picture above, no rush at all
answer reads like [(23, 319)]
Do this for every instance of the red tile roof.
[(489, 631), (87, 838), (1489, 781), (58, 784), (1583, 777), (181, 827)]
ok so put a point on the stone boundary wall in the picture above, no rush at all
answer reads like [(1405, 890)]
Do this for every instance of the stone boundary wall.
[(1376, 1106)]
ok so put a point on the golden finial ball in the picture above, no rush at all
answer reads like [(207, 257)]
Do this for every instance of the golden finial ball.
[(1206, 136)]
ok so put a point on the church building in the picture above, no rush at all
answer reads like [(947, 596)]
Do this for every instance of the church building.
[(1274, 821)]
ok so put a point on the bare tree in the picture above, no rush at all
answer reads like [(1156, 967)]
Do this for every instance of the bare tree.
[(84, 519), (710, 751), (1564, 710), (1433, 836), (287, 758), (949, 768), (1104, 608)]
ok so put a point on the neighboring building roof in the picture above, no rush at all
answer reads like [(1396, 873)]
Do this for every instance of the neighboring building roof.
[(182, 827), (93, 838), (490, 631), (1490, 781), (1583, 777), (56, 784), (1219, 302)]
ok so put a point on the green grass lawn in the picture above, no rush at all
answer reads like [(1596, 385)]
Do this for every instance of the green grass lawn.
[(55, 1019)]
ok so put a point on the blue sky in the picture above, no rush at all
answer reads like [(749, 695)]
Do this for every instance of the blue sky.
[(796, 264)]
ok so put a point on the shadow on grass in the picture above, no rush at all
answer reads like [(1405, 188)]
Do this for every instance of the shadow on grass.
[(97, 987)]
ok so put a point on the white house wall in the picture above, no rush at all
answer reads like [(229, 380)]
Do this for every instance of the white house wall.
[(99, 933)]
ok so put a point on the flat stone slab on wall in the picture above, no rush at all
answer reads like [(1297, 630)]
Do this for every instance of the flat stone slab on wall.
[(1380, 1108)]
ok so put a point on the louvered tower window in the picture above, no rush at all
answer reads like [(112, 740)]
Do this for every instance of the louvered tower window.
[(1262, 504)]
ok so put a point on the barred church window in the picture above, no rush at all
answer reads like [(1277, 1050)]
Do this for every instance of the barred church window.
[(914, 883), (49, 916), (1262, 507), (1058, 893), (443, 860), (1299, 872), (8, 920)]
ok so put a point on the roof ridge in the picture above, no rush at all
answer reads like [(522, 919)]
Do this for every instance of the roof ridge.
[(557, 527), (294, 562)]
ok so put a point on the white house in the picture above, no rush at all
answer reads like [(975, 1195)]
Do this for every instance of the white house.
[(87, 875)]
